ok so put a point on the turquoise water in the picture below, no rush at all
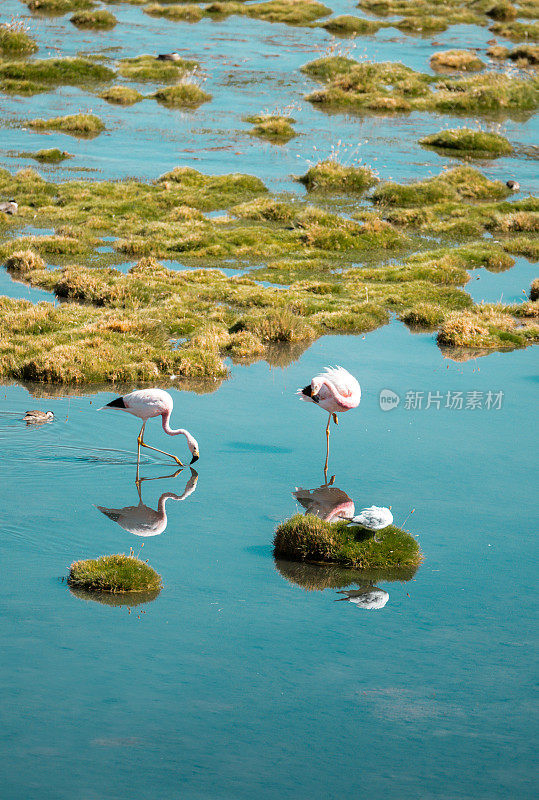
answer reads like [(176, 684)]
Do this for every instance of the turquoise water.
[(238, 681)]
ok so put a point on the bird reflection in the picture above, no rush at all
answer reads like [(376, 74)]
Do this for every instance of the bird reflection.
[(327, 502), (142, 520), (368, 597)]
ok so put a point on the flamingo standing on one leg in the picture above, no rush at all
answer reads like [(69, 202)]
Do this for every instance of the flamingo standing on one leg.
[(336, 391), (148, 403)]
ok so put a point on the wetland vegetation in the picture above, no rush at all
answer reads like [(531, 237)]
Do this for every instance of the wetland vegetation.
[(115, 574)]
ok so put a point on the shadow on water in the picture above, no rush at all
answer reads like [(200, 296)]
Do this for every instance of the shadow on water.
[(141, 520)]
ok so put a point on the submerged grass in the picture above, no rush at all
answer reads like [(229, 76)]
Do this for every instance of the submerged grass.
[(116, 574), (311, 539)]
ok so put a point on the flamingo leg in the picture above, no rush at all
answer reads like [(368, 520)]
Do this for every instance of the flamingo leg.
[(327, 448), (139, 442), (176, 459)]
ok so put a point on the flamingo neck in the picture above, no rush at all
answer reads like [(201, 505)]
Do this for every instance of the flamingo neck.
[(161, 506), (171, 431)]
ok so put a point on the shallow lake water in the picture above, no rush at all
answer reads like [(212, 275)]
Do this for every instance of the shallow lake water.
[(240, 680)]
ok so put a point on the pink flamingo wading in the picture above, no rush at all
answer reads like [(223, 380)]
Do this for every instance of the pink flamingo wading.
[(334, 390), (148, 403)]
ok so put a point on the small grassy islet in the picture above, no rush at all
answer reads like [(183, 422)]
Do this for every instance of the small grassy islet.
[(85, 126), (52, 156), (15, 41), (313, 540), (273, 127), (470, 143), (99, 20), (116, 574)]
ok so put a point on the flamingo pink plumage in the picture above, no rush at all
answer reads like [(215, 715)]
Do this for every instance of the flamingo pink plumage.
[(334, 390), (148, 403)]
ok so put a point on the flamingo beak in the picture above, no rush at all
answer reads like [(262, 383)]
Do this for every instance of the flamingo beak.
[(195, 458), (315, 398)]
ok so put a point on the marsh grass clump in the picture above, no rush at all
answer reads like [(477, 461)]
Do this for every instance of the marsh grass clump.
[(51, 156), (149, 68), (525, 55), (273, 127), (330, 176), (187, 12), (469, 143), (14, 40), (489, 327), (115, 573), (22, 262), (311, 539), (99, 20), (534, 290), (184, 95), (291, 12), (425, 316), (57, 6), (348, 25), (517, 31), (121, 95), (392, 87), (460, 183), (461, 60), (53, 72), (84, 125)]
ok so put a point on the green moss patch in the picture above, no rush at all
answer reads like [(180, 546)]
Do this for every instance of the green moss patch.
[(149, 68), (187, 12), (469, 143), (57, 6), (517, 31), (460, 183), (116, 574), (330, 176), (52, 156), (41, 75), (84, 125), (290, 12), (121, 95), (99, 20), (308, 538), (392, 87), (347, 25), (184, 95), (274, 128)]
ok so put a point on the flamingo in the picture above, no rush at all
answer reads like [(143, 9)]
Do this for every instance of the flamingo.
[(327, 502), (336, 391), (148, 403)]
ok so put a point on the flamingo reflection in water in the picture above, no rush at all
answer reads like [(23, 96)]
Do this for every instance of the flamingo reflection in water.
[(142, 520)]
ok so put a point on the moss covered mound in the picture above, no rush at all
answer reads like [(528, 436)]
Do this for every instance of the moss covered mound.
[(290, 12), (187, 12), (185, 95), (392, 87), (311, 539), (97, 20), (491, 326), (461, 60), (478, 144), (116, 574), (460, 183), (14, 41), (150, 68), (121, 95), (347, 25), (330, 176), (51, 156), (56, 72), (57, 6), (274, 128), (83, 125)]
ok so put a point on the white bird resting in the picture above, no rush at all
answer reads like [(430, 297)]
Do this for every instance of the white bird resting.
[(375, 518)]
